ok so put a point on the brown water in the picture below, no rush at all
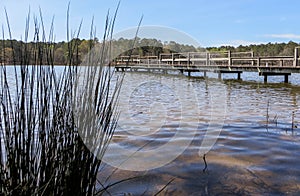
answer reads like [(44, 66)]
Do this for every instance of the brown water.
[(256, 153)]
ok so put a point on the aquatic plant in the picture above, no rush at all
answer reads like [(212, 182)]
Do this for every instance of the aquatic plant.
[(267, 115), (42, 148)]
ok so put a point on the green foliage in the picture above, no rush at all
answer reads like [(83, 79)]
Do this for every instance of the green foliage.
[(142, 47), (270, 49)]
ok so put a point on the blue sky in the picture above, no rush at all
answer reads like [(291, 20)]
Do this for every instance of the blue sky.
[(210, 22)]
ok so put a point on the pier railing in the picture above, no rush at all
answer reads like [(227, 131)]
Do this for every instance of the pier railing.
[(195, 59), (218, 62)]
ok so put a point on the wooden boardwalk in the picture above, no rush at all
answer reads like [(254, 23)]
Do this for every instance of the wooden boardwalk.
[(219, 62)]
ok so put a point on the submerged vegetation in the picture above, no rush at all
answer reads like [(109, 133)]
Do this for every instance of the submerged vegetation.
[(43, 127)]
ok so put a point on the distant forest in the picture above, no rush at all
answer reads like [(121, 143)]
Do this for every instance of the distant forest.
[(13, 51)]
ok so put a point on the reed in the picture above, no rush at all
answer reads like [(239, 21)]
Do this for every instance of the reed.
[(293, 121), (42, 148), (267, 115)]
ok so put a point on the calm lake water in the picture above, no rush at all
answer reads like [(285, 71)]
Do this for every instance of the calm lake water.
[(257, 151)]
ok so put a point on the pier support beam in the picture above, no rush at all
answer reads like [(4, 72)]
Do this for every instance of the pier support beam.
[(224, 71), (220, 75), (286, 78), (122, 68), (266, 74), (239, 76), (265, 78)]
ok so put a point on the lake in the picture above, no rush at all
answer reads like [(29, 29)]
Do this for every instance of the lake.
[(251, 130), (247, 131)]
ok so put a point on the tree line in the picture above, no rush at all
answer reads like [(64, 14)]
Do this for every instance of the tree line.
[(269, 49), (13, 51)]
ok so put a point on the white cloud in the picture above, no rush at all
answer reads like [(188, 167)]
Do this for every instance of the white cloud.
[(283, 36), (236, 43)]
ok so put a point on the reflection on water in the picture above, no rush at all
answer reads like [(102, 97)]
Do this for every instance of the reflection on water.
[(257, 151)]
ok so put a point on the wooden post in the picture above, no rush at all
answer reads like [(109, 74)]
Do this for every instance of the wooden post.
[(204, 73), (296, 57), (252, 56), (188, 61), (229, 58), (207, 59), (239, 76), (159, 59), (258, 62), (139, 60), (172, 59), (220, 75)]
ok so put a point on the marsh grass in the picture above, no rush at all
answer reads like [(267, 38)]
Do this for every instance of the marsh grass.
[(42, 151), (267, 115)]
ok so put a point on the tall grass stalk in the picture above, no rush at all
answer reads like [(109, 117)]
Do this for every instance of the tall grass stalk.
[(43, 150), (267, 115)]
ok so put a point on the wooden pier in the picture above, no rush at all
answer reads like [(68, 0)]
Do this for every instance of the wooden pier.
[(218, 62)]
